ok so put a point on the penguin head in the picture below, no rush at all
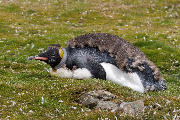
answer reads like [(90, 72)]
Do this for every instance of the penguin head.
[(52, 56)]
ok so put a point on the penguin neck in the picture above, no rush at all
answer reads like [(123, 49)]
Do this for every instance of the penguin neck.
[(63, 59)]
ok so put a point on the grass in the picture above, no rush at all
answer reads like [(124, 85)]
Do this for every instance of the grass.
[(27, 28)]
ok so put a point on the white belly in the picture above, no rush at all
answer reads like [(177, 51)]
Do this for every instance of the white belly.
[(62, 73), (130, 80), (80, 73)]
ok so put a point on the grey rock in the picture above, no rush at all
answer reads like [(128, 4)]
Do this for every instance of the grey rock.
[(101, 99), (92, 98), (102, 94), (107, 105), (132, 108), (88, 101)]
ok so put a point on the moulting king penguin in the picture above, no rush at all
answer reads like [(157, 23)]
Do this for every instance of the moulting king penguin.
[(103, 56)]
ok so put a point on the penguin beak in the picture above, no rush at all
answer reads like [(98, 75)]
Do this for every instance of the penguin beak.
[(38, 58)]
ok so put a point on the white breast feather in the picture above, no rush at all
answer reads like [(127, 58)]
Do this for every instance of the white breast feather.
[(81, 73), (62, 73)]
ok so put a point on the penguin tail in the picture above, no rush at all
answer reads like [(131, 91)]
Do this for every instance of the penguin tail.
[(148, 73), (156, 86)]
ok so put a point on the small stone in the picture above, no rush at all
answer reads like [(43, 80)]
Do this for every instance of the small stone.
[(102, 95), (107, 105), (132, 108), (88, 101), (92, 98)]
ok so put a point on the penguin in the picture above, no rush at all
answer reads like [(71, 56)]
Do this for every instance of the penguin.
[(103, 56)]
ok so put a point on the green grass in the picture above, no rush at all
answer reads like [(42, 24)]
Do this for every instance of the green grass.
[(27, 91)]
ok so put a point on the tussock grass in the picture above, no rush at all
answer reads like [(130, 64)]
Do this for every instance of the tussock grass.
[(27, 27)]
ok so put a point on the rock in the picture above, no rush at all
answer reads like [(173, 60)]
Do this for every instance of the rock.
[(107, 105), (88, 101), (101, 99), (132, 108), (92, 98)]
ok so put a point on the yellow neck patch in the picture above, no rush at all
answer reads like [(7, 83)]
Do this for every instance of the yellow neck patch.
[(61, 53)]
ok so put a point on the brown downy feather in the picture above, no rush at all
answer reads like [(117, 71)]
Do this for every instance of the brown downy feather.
[(118, 48)]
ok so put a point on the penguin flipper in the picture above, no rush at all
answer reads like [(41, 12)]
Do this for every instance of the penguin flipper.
[(95, 68)]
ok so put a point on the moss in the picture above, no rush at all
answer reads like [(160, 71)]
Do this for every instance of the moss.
[(10, 8)]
